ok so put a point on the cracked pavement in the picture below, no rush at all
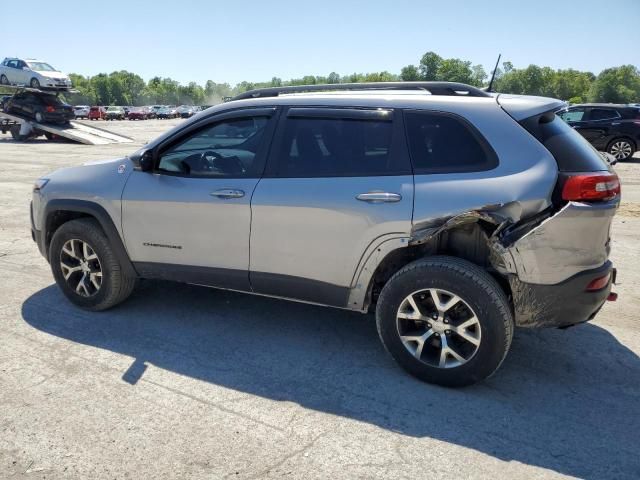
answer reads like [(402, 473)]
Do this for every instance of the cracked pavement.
[(189, 382)]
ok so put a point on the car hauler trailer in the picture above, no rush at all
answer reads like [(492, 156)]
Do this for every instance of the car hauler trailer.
[(74, 131)]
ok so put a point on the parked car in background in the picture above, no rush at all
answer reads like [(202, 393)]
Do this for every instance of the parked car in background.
[(42, 107), (611, 128), (346, 200), (167, 112), (151, 113), (185, 111), (33, 73), (115, 113), (97, 113), (138, 113), (81, 111)]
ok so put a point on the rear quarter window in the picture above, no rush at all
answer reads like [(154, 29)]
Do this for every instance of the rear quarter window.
[(446, 143), (571, 151)]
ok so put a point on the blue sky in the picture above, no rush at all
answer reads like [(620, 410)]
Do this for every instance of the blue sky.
[(250, 40)]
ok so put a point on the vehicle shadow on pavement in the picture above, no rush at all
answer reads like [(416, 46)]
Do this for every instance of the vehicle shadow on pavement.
[(565, 400)]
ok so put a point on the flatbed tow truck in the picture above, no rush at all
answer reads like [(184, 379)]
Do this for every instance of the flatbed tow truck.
[(74, 131)]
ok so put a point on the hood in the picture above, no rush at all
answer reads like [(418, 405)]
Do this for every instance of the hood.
[(105, 161)]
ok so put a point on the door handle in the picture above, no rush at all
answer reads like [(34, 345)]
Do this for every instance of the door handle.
[(227, 193), (379, 197)]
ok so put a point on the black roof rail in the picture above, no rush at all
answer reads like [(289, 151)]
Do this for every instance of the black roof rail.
[(434, 88)]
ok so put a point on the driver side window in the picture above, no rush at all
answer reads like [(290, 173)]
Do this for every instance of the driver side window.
[(224, 149)]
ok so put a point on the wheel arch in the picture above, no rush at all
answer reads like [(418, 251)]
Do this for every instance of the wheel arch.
[(469, 241), (59, 211)]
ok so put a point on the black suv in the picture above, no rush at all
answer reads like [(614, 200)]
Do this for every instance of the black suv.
[(611, 128)]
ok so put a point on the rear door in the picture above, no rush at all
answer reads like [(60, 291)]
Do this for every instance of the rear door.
[(12, 73), (600, 123), (337, 180)]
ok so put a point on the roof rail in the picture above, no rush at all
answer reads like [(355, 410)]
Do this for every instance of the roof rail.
[(433, 88)]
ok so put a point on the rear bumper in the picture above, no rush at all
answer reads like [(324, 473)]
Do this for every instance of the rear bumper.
[(563, 304)]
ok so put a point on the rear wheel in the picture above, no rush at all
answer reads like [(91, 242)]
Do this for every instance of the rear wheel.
[(4, 80), (86, 268), (445, 321), (34, 83), (621, 148)]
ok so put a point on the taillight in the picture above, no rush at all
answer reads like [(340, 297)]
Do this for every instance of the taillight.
[(598, 283), (50, 109), (591, 187)]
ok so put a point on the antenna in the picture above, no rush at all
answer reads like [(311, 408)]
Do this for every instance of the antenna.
[(493, 75)]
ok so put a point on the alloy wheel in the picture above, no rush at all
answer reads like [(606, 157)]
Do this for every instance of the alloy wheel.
[(81, 267), (621, 149), (438, 328)]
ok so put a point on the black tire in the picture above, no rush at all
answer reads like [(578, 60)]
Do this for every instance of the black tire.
[(34, 83), (4, 80), (617, 145), (15, 132), (477, 289), (116, 286)]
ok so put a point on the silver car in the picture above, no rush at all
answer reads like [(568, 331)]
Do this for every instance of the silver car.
[(33, 73), (453, 214)]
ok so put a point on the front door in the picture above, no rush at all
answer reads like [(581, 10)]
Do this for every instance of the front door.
[(337, 181), (189, 219)]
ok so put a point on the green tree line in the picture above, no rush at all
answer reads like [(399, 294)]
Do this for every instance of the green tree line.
[(616, 84)]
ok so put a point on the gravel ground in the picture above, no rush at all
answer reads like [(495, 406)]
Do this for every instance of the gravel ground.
[(190, 382)]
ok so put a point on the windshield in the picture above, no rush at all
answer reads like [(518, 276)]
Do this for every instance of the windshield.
[(41, 67)]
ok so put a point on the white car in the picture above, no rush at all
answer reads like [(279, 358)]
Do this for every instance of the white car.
[(33, 73), (81, 111)]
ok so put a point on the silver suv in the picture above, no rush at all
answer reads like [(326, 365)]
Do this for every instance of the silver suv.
[(452, 213)]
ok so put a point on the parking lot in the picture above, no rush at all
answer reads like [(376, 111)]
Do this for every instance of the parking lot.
[(201, 383)]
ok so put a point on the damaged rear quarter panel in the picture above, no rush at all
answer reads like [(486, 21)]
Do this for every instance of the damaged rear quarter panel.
[(518, 188), (575, 239)]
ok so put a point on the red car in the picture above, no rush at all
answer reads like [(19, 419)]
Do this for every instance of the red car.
[(97, 113), (138, 113)]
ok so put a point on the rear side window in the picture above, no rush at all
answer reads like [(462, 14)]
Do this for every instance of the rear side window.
[(329, 146), (49, 100), (602, 114), (444, 143), (571, 151)]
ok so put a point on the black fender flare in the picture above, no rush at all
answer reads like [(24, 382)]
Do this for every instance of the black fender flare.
[(96, 211)]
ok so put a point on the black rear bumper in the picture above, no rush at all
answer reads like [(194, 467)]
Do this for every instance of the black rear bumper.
[(561, 305)]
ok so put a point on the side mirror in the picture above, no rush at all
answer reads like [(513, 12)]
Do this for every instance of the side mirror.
[(147, 160), (26, 68)]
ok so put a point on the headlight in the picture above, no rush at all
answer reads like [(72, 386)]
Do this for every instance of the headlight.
[(39, 184)]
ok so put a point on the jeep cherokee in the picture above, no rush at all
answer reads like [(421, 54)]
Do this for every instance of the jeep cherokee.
[(452, 213)]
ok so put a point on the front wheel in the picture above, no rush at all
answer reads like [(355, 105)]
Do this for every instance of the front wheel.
[(621, 148), (445, 320), (85, 267), (34, 83)]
